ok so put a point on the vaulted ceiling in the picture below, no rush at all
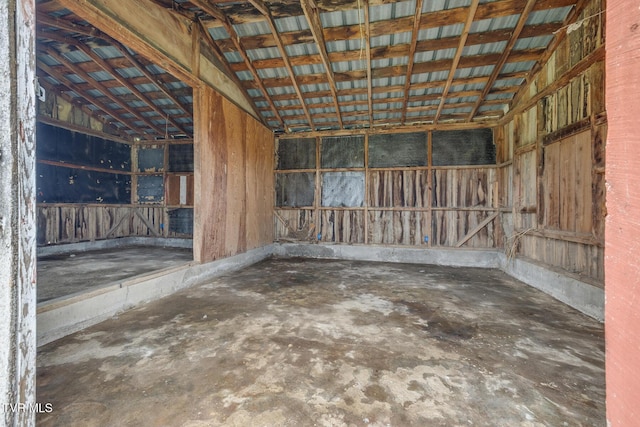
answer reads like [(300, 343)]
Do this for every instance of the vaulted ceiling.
[(316, 65)]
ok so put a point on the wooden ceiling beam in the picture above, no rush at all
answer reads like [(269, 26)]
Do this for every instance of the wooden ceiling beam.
[(367, 39), (68, 83), (214, 11), (264, 10), (310, 9), (105, 91), (118, 77), (524, 15), (411, 57), (471, 12)]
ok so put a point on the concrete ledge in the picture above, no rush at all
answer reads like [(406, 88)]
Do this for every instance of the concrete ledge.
[(63, 316), (448, 257), (582, 296), (114, 243)]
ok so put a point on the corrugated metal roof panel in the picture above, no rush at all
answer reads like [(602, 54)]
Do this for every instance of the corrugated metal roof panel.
[(254, 93), (532, 42), (263, 53), (387, 116), (48, 60), (233, 57), (436, 76), (508, 82), (300, 70), (558, 14), (286, 103), (176, 85), (516, 67), (435, 5), (465, 87), (272, 73), (505, 96), (344, 45), (388, 81), (283, 90), (341, 18), (445, 31), (434, 55), (344, 66), (262, 104), (74, 78), (392, 10), (301, 49), (314, 87), (130, 72), (122, 91), (154, 69), (428, 91), (95, 93), (135, 103), (107, 52), (162, 101), (463, 73), (484, 49), (250, 29), (387, 95), (219, 33), (389, 62), (322, 111), (291, 23), (244, 75), (100, 76), (387, 106), (354, 84), (491, 24), (76, 56), (319, 100), (460, 100), (391, 39)]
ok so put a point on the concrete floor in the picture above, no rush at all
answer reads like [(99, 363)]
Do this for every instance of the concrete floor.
[(62, 275), (334, 343)]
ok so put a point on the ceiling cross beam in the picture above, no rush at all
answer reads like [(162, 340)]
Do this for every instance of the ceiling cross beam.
[(471, 13), (72, 86), (412, 54), (214, 11), (505, 55), (264, 10), (105, 91), (312, 14)]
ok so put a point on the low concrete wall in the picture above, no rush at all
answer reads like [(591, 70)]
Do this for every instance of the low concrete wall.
[(582, 296), (448, 257), (63, 316), (114, 243)]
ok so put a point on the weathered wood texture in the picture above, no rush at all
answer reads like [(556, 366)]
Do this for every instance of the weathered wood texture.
[(234, 182), (552, 158), (411, 205), (59, 224)]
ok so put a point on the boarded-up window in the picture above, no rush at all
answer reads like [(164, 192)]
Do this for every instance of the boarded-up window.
[(181, 158), (343, 152), (398, 150), (150, 159), (343, 189), (181, 221), (295, 189), (567, 184), (297, 153), (150, 189), (463, 147)]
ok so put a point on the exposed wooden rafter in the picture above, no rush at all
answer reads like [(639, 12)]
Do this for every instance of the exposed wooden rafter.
[(105, 91), (503, 58), (471, 13), (312, 14), (262, 7), (214, 11), (367, 40), (107, 111), (412, 54)]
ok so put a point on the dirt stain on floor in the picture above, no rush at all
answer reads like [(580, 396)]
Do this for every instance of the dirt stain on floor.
[(334, 343)]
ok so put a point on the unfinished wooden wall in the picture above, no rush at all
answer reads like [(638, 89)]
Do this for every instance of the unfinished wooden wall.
[(552, 156), (426, 205), (233, 179), (151, 193)]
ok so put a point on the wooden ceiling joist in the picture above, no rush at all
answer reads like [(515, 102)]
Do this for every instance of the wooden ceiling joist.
[(367, 40), (471, 13), (412, 55), (264, 10), (310, 9), (214, 11), (105, 91)]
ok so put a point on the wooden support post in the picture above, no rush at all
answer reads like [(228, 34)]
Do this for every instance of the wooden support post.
[(17, 212)]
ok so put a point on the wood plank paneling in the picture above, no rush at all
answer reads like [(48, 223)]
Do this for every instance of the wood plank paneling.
[(231, 181)]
